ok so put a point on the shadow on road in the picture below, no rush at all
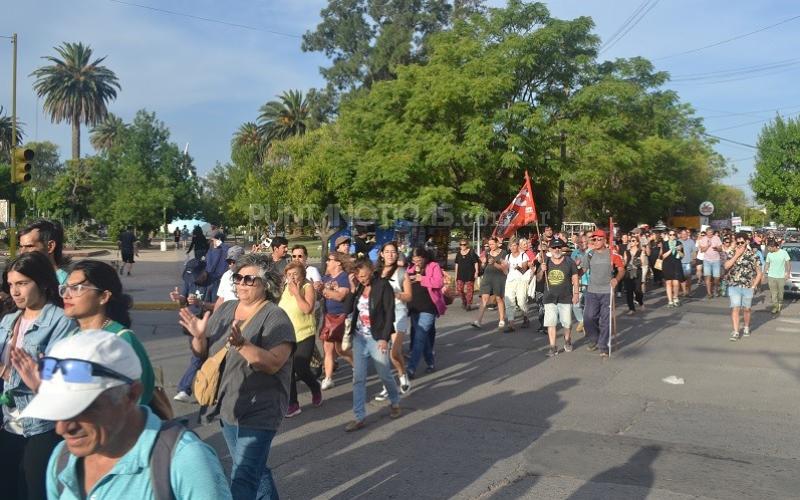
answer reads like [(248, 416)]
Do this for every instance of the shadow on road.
[(637, 471)]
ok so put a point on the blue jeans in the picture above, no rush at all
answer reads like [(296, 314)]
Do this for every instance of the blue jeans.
[(187, 380), (249, 449), (365, 347), (596, 314), (422, 324)]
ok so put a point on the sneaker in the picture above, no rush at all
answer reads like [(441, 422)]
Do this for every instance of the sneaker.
[(475, 324), (327, 384), (591, 347), (579, 328), (355, 425), (293, 410), (405, 384), (183, 397), (676, 302), (567, 346), (552, 351), (734, 336), (316, 399), (774, 309), (395, 411), (746, 331), (603, 355), (383, 395), (501, 325), (430, 369)]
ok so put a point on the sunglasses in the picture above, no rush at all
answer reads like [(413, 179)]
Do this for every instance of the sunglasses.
[(245, 279), (75, 290), (672, 234), (77, 371), (740, 242), (596, 239), (298, 256), (462, 244)]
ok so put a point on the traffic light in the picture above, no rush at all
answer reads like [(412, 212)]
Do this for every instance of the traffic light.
[(23, 163)]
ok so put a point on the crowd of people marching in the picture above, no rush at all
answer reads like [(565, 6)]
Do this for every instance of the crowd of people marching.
[(84, 415)]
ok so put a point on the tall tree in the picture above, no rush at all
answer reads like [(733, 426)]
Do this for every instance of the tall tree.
[(286, 117), (6, 141), (107, 133), (76, 89), (367, 39), (776, 181), (249, 145)]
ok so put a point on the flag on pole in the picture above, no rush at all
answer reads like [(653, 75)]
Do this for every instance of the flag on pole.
[(520, 212)]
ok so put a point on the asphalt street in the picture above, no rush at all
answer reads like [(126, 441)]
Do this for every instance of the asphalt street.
[(498, 419)]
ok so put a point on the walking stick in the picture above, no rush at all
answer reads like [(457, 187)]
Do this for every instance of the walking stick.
[(541, 254), (612, 320)]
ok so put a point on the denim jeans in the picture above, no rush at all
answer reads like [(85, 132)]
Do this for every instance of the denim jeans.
[(596, 314), (249, 449), (365, 347), (187, 380), (422, 324)]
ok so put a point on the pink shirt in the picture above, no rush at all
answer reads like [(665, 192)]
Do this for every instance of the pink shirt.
[(711, 255)]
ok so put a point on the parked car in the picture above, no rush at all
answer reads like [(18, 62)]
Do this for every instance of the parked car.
[(793, 285)]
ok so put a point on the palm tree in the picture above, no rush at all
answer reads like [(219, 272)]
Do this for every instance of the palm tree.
[(107, 133), (287, 117), (250, 135), (6, 143), (76, 89)]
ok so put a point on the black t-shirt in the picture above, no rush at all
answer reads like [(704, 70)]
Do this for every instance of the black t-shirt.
[(421, 301), (559, 278), (466, 266), (127, 241)]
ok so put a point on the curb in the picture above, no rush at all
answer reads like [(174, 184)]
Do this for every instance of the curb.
[(88, 253), (155, 306)]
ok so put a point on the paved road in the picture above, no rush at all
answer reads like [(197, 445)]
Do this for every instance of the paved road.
[(500, 420)]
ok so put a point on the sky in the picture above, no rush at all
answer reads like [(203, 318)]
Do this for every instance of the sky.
[(204, 79)]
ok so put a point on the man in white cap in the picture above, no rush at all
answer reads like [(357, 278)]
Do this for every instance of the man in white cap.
[(114, 448)]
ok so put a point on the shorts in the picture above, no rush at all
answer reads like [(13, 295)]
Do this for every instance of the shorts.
[(712, 268), (687, 270), (401, 322), (493, 285), (740, 296), (127, 257), (555, 312)]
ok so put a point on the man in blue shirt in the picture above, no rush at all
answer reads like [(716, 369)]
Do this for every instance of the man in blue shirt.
[(114, 448), (216, 265)]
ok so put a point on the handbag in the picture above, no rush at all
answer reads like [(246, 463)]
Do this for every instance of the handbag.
[(659, 264), (160, 401)]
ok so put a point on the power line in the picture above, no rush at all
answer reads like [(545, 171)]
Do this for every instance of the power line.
[(641, 11), (728, 40), (723, 79), (728, 140), (745, 70), (207, 19), (726, 114), (750, 123)]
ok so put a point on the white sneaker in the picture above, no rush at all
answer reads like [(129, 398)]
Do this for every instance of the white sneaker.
[(327, 383), (405, 384), (501, 324), (383, 395), (183, 397), (746, 331)]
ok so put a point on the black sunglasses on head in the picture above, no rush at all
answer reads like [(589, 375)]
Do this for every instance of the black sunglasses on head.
[(245, 279)]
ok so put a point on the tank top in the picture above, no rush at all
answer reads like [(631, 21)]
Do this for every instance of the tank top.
[(303, 323)]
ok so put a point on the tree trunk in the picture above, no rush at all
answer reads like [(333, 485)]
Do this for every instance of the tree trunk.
[(325, 233), (76, 137)]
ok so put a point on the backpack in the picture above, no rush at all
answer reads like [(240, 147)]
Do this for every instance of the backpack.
[(160, 460)]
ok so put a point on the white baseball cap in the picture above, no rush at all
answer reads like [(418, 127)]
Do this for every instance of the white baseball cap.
[(58, 399)]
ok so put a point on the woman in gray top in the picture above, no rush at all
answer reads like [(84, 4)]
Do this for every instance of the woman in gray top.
[(254, 389)]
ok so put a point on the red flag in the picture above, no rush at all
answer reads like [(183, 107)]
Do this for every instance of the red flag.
[(520, 212)]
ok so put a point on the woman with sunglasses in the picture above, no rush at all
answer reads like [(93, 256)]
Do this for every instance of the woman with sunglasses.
[(298, 302), (425, 279), (390, 270), (635, 262), (467, 270), (259, 339), (25, 336), (671, 253), (334, 287)]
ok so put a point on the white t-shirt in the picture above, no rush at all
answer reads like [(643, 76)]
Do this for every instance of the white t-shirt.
[(363, 323), (513, 262), (226, 289), (312, 274)]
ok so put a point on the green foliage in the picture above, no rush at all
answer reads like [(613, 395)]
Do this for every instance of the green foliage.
[(6, 142), (286, 117), (74, 235), (107, 133), (776, 181)]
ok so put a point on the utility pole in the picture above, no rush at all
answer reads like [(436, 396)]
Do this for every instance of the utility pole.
[(12, 222), (561, 201)]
